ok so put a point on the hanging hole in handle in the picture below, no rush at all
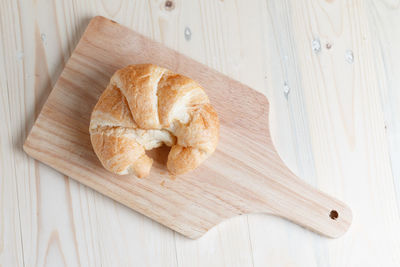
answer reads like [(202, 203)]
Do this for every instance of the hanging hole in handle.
[(334, 214)]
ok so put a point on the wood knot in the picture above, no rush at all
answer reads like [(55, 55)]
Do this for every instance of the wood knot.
[(169, 5), (328, 45)]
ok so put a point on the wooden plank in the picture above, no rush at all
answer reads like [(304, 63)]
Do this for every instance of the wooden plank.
[(47, 233), (345, 120), (273, 240), (381, 18), (13, 163), (227, 244), (77, 231)]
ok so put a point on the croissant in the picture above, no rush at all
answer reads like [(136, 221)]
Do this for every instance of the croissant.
[(145, 106)]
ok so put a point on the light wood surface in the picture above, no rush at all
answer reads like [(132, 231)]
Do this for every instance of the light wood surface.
[(244, 175), (336, 128)]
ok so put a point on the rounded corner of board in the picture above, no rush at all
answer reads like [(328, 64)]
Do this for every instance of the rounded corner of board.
[(102, 19)]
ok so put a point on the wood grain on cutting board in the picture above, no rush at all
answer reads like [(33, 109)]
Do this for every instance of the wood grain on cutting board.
[(244, 175)]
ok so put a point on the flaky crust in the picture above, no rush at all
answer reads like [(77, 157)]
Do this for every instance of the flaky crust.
[(145, 106)]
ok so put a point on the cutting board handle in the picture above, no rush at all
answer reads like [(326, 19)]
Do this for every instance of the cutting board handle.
[(304, 205)]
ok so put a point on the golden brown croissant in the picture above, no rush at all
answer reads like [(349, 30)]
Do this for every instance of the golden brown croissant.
[(145, 106)]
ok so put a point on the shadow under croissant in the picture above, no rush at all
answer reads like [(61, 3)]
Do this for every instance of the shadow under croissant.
[(159, 155)]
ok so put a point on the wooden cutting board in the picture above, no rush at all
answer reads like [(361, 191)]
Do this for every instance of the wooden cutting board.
[(244, 175)]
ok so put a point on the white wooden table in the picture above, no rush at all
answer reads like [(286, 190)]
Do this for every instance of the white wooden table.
[(331, 70)]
